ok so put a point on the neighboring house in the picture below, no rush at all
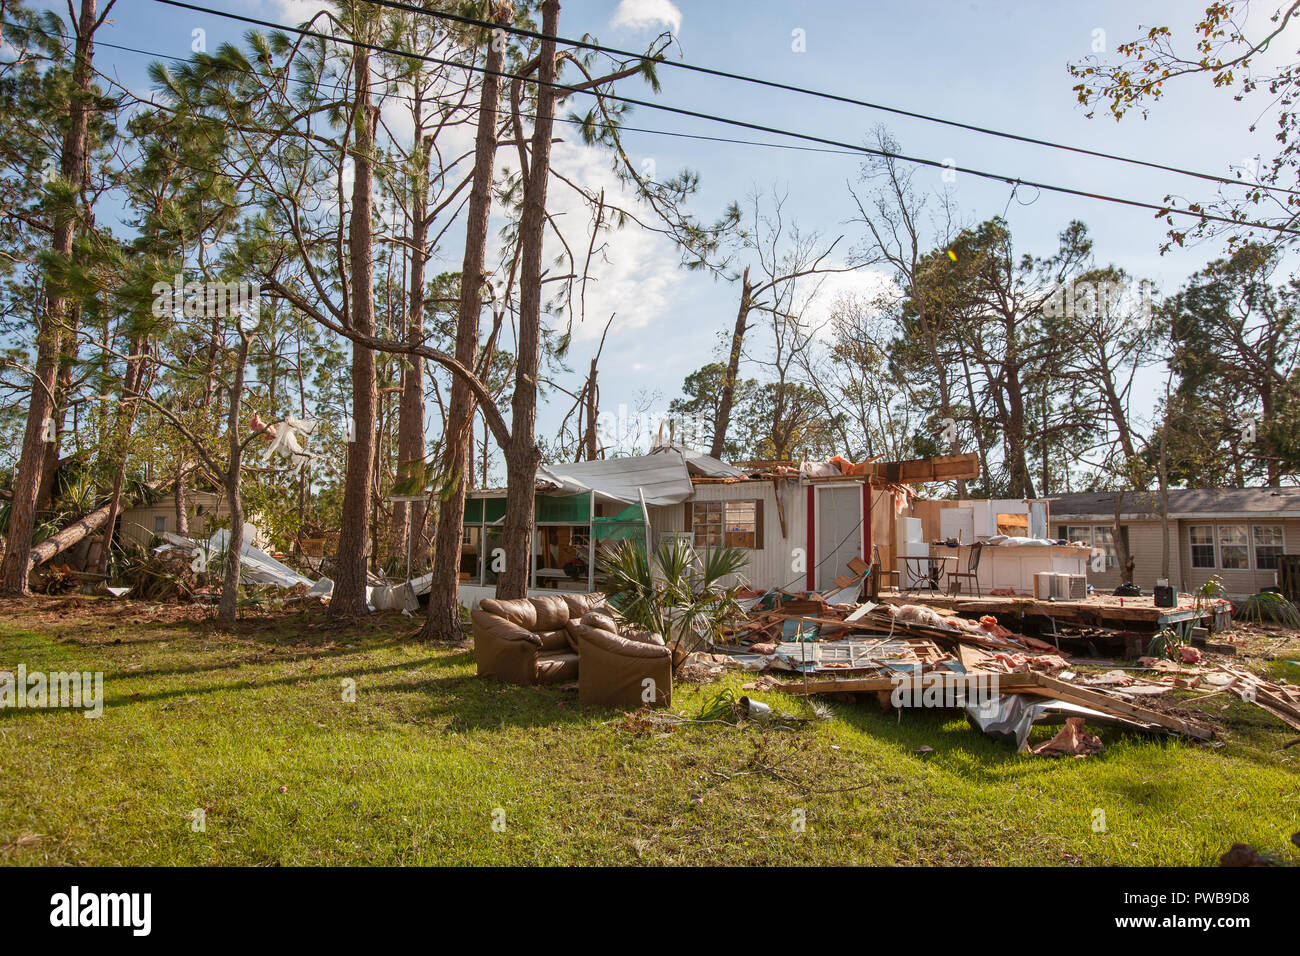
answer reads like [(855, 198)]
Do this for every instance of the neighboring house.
[(142, 525), (1237, 534)]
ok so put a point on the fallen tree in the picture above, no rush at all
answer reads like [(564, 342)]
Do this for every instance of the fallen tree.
[(65, 538)]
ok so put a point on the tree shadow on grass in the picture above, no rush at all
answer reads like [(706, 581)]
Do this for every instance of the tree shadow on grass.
[(482, 703), (297, 680)]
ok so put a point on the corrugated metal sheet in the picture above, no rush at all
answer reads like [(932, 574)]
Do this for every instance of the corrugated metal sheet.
[(662, 478)]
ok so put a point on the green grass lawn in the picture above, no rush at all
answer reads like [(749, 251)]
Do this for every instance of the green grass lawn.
[(252, 728)]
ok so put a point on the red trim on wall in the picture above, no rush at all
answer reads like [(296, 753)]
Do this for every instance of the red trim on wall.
[(812, 538)]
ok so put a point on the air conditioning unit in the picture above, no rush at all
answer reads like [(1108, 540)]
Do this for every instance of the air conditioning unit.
[(1059, 587)]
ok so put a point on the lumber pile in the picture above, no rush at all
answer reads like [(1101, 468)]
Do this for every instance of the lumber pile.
[(884, 649), (906, 652)]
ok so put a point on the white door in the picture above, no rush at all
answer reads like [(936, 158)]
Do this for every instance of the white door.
[(839, 532)]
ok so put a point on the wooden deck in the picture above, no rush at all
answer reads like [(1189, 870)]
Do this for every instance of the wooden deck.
[(1102, 610)]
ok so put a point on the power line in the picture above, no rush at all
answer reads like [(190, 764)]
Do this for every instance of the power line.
[(1160, 209), (822, 94), (470, 110)]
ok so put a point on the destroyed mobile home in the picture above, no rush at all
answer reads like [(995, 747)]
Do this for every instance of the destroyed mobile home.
[(875, 611), (847, 584)]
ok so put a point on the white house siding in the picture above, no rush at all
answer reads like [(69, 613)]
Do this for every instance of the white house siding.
[(769, 566)]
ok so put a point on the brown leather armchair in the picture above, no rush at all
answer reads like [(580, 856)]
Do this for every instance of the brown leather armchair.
[(525, 641), (613, 667)]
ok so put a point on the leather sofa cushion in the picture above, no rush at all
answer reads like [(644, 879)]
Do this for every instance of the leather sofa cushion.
[(643, 637), (552, 612), (499, 628), (617, 644), (600, 619), (521, 612), (557, 640), (580, 604), (556, 668)]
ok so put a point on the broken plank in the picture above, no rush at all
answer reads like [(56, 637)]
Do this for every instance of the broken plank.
[(1050, 687), (868, 685)]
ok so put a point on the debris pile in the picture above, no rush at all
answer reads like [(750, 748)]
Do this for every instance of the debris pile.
[(916, 655)]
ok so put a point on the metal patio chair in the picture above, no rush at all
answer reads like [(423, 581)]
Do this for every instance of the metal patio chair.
[(972, 566)]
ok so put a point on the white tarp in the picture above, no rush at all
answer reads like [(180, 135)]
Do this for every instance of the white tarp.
[(699, 463), (258, 566), (662, 478)]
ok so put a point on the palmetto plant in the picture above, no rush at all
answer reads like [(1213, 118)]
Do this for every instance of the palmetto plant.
[(1210, 592), (1269, 606), (673, 591)]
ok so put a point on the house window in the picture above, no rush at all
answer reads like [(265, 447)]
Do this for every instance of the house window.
[(1234, 553), (732, 524), (1095, 536), (1202, 537), (160, 524), (1268, 546)]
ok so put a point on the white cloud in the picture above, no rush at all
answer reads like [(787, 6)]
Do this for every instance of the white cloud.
[(644, 14), (638, 270), (868, 286)]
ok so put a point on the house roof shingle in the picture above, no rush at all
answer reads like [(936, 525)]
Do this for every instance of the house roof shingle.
[(1183, 503)]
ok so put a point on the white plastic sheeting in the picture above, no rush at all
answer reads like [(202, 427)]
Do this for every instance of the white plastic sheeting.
[(698, 463), (662, 478), (258, 566)]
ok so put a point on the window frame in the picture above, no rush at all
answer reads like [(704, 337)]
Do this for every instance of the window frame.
[(1212, 544), (712, 531), (1255, 545), (1243, 546), (1094, 533)]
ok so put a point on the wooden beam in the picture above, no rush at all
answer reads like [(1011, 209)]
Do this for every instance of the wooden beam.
[(919, 471), (780, 505), (1013, 683), (1071, 693)]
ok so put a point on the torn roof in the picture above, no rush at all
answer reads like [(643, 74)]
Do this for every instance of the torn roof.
[(661, 477), (700, 464)]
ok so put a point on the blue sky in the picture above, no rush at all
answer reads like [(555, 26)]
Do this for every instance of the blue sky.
[(1001, 65)]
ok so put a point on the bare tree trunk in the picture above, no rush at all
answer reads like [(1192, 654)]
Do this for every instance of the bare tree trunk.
[(1121, 545), (723, 419), (65, 538), (945, 387), (349, 598), (50, 467), (523, 455), (589, 443), (1022, 484), (180, 498), (443, 621), (125, 421), (1163, 477), (228, 608), (22, 514), (976, 431), (408, 518)]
